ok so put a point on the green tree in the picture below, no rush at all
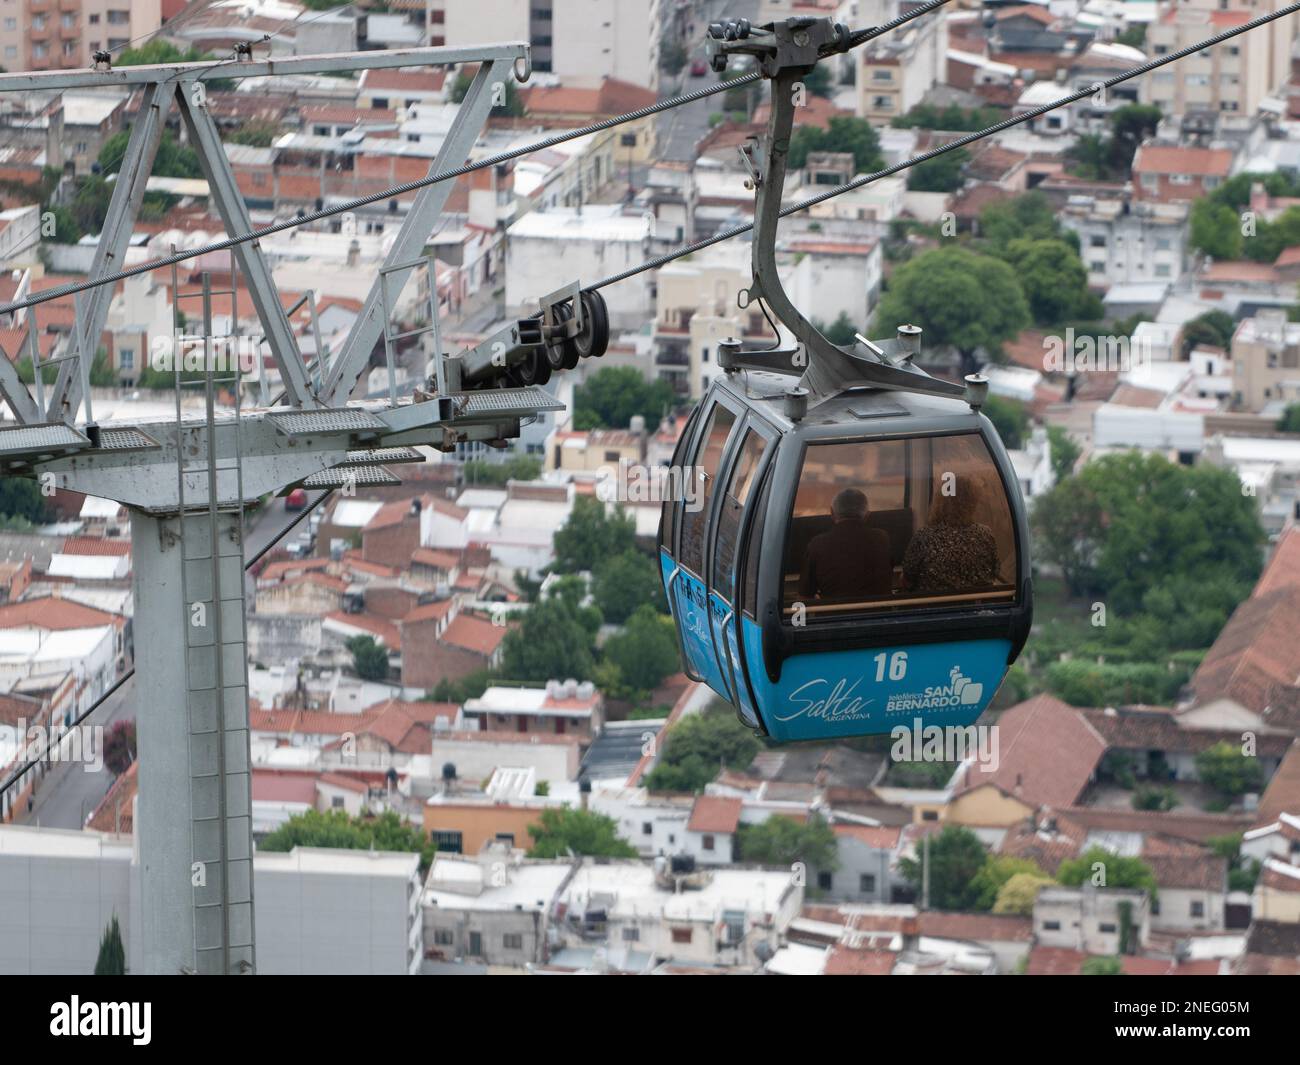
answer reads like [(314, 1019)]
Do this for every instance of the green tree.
[(1116, 871), (1130, 126), (1214, 328), (843, 134), (625, 582), (593, 534), (256, 132), (1215, 229), (1065, 452), (699, 746), (1148, 798), (1028, 216), (953, 119), (66, 229), (1051, 275), (554, 640), (112, 955), (512, 107), (642, 655), (1128, 523), (612, 395), (172, 160), (1090, 157), (369, 659), (561, 832), (1290, 420), (1102, 966), (956, 857), (994, 874), (672, 55), (515, 468), (22, 499), (943, 173), (1019, 893), (1009, 418), (461, 690), (1224, 768), (961, 299), (340, 830), (782, 841), (842, 331)]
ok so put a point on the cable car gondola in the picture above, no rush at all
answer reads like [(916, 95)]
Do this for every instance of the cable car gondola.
[(850, 551)]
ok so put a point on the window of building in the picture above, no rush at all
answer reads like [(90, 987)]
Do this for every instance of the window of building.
[(94, 20), (627, 140), (1198, 909), (929, 815), (682, 935), (443, 937), (867, 883), (336, 802), (1107, 926), (512, 941), (882, 103), (631, 935), (11, 24), (119, 18), (1051, 926), (825, 880), (647, 829), (450, 842), (379, 103), (67, 20), (126, 359), (38, 22), (882, 74), (506, 837), (707, 843)]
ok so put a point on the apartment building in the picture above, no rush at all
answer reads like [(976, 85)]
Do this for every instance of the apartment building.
[(1126, 242), (580, 41), (65, 34), (1266, 362), (1233, 78), (1093, 920), (896, 71)]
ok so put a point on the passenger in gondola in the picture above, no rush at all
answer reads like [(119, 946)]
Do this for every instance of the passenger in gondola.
[(953, 553), (850, 561)]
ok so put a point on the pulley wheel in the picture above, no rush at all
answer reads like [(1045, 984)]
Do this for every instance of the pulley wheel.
[(557, 356), (593, 340)]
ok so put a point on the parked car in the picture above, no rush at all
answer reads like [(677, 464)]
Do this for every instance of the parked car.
[(699, 68), (296, 500)]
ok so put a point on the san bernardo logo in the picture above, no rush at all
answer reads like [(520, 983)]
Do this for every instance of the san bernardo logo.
[(959, 691)]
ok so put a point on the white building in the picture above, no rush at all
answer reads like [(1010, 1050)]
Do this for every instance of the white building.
[(1090, 919), (581, 41), (20, 230), (547, 249), (1129, 242)]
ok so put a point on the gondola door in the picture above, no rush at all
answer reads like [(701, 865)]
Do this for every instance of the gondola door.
[(747, 461), (684, 580)]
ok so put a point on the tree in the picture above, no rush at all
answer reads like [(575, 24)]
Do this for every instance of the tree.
[(1148, 798), (698, 747), (613, 395), (497, 474), (640, 656), (1029, 215), (593, 534), (119, 746), (1051, 275), (1130, 126), (1215, 229), (256, 132), (1129, 523), (1065, 452), (1018, 895), (369, 658), (953, 119), (1099, 868), (672, 55), (943, 173), (1290, 420), (625, 582), (66, 229), (1214, 328), (553, 641), (996, 871), (340, 830), (1090, 155), (1009, 418), (960, 298), (842, 331), (842, 134), (1224, 768), (1099, 965), (172, 159), (112, 955), (461, 690), (561, 832), (783, 841), (956, 857), (21, 498), (512, 105)]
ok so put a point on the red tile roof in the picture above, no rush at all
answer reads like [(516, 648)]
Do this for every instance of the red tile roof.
[(715, 813), (845, 961), (984, 927), (380, 629), (429, 612), (274, 785), (1256, 655), (426, 556), (1049, 753), (881, 837), (400, 81), (115, 811), (96, 545), (474, 634), (1175, 159), (54, 613)]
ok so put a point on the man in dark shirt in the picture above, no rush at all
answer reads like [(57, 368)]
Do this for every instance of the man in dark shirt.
[(850, 560)]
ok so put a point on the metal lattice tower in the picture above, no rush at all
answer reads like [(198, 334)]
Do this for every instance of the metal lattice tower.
[(186, 483)]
